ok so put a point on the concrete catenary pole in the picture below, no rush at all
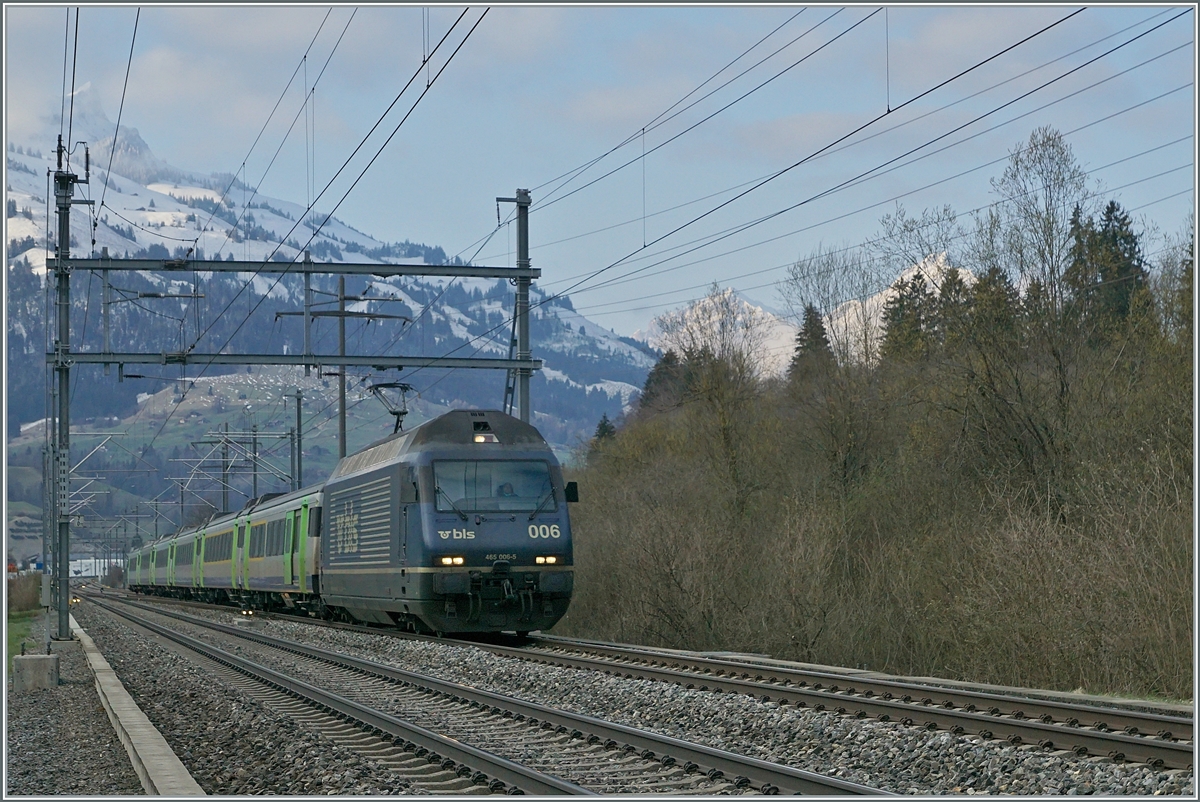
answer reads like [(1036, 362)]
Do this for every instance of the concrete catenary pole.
[(522, 304), (64, 188)]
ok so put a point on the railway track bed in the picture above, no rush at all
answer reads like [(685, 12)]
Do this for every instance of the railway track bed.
[(1121, 733), (888, 755), (493, 741)]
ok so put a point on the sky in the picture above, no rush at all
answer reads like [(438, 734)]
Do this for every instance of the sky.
[(524, 96)]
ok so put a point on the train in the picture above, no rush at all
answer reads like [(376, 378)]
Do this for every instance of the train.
[(458, 525)]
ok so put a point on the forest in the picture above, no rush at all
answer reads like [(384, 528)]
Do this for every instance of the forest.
[(984, 473)]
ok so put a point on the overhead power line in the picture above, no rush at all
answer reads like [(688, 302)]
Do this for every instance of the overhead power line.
[(869, 243), (344, 195), (546, 299), (574, 173), (336, 175), (808, 158), (117, 130), (877, 134), (309, 93), (74, 64), (849, 181), (271, 116), (662, 117), (635, 275), (549, 298), (710, 116)]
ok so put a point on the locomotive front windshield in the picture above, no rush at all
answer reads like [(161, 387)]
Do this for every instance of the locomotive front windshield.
[(493, 486)]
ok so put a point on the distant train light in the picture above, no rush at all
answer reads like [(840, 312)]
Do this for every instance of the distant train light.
[(545, 560), (452, 561), (486, 438)]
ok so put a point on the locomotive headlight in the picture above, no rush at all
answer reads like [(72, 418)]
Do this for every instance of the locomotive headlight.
[(545, 560), (486, 438), (452, 561)]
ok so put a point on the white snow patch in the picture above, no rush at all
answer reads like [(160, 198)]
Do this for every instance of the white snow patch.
[(187, 193), (20, 227), (614, 389), (558, 376)]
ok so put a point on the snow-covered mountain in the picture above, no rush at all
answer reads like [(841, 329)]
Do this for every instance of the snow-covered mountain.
[(855, 328), (154, 210), (773, 336)]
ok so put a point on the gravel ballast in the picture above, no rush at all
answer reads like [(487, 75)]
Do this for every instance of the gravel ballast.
[(230, 743), (60, 741), (888, 756)]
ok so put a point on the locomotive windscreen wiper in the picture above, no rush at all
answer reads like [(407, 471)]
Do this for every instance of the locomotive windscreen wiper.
[(541, 504), (450, 501)]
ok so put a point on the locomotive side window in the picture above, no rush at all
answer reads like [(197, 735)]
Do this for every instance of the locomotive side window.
[(493, 485), (408, 486)]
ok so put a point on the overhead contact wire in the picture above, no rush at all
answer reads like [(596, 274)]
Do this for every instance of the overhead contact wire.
[(344, 196)]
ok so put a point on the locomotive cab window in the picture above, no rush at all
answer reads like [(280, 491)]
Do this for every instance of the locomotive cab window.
[(493, 486)]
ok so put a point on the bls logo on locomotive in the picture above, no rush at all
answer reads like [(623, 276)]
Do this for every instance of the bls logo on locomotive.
[(457, 534)]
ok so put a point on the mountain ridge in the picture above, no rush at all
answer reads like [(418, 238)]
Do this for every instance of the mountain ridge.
[(154, 210)]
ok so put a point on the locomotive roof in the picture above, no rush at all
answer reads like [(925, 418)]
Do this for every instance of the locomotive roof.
[(456, 428)]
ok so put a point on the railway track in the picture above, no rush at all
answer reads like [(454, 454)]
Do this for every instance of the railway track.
[(560, 752), (1157, 739)]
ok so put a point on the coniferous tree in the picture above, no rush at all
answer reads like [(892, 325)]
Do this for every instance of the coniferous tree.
[(1107, 270), (665, 385), (605, 429), (1184, 293), (906, 319), (993, 311), (813, 355), (950, 310), (1122, 268)]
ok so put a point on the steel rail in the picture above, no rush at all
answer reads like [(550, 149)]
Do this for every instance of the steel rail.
[(845, 699), (956, 711), (765, 776), (1174, 727), (507, 771)]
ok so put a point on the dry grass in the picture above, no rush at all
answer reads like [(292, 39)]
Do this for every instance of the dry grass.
[(920, 568), (24, 593)]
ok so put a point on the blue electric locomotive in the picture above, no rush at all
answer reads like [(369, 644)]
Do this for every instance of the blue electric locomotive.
[(459, 525)]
